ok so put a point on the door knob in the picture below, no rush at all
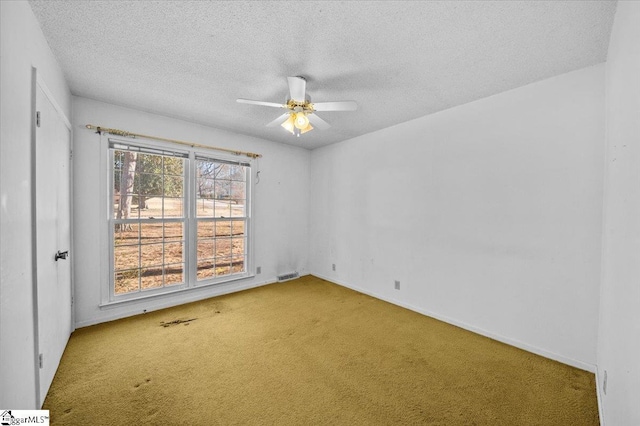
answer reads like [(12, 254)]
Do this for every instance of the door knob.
[(61, 255)]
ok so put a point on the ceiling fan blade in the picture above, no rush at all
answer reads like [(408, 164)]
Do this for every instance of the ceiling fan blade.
[(263, 103), (279, 120), (335, 106), (297, 88), (318, 122)]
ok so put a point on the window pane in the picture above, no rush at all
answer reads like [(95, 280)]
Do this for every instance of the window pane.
[(151, 278), (116, 189), (223, 228), (139, 202), (237, 173), (173, 231), (125, 234), (205, 269), (222, 208), (206, 169), (204, 207), (223, 247), (222, 270), (123, 182), (238, 191), (173, 274), (125, 206), (118, 157), (237, 266), (237, 209), (205, 249), (222, 266), (237, 247), (205, 229), (222, 189), (222, 171), (135, 210), (172, 253), (238, 251), (237, 228), (151, 184), (126, 281), (150, 207), (151, 254), (151, 232), (126, 257), (173, 207), (149, 163), (174, 166), (136, 183), (173, 186), (205, 188)]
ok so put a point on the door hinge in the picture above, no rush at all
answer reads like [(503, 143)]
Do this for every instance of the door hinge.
[(38, 118), (40, 360), (70, 154)]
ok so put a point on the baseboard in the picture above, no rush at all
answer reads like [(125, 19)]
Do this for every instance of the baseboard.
[(175, 301), (599, 398), (508, 340)]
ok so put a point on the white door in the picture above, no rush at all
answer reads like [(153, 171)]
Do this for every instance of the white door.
[(53, 234)]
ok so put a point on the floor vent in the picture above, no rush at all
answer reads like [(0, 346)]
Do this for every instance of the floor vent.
[(287, 277)]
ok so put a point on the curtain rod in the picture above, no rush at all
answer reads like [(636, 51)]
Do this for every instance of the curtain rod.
[(124, 133)]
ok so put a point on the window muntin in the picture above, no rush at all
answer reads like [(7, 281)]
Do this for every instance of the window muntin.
[(165, 205)]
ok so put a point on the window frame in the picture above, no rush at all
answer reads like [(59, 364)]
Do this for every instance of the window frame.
[(189, 219)]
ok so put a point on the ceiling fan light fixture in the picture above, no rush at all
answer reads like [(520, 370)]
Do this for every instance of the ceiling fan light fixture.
[(301, 121), (306, 129), (289, 123)]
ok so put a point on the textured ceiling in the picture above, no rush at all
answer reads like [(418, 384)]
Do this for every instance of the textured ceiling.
[(397, 60)]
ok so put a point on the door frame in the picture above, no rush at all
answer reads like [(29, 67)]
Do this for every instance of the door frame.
[(38, 83)]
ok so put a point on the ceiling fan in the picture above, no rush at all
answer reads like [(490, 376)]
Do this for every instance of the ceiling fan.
[(301, 114)]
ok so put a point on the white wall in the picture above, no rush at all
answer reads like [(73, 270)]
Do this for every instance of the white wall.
[(281, 205), (619, 335), (489, 214), (22, 46)]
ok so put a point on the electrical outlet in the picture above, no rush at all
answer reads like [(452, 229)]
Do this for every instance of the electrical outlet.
[(604, 383), (397, 284), (259, 270), (333, 266)]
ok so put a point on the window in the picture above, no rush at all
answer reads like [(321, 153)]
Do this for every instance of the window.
[(178, 219), (221, 217)]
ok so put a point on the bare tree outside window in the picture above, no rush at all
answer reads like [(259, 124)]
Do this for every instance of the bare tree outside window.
[(125, 184)]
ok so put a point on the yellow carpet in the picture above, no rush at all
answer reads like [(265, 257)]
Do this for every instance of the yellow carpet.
[(307, 352)]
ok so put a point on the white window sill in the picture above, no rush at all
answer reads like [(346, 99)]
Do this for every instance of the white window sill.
[(167, 294)]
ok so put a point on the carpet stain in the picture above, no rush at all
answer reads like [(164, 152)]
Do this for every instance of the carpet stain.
[(146, 381), (177, 322)]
